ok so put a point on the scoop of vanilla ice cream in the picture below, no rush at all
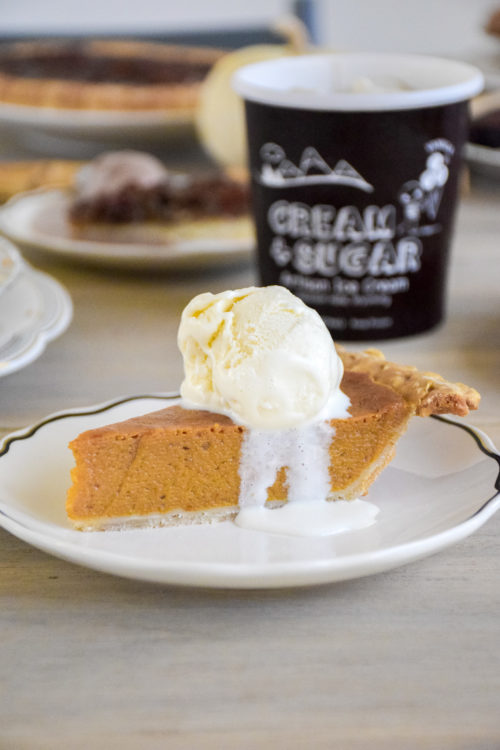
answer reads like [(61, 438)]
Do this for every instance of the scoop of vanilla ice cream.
[(258, 354)]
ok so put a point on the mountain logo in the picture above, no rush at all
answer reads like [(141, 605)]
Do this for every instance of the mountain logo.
[(278, 171)]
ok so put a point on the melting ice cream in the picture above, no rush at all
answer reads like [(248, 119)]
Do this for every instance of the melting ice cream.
[(261, 356), (265, 359)]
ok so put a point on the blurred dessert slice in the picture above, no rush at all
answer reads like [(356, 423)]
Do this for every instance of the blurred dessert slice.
[(130, 195)]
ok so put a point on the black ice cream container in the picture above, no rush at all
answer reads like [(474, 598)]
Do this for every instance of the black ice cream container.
[(355, 162)]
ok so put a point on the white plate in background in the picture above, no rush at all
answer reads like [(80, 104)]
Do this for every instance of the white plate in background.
[(100, 125), (483, 159), (38, 220)]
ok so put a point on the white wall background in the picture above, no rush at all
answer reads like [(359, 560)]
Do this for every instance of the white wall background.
[(141, 16), (451, 27)]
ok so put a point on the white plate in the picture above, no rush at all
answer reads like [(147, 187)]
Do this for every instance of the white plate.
[(483, 159), (10, 263), (439, 489), (139, 125), (34, 309), (37, 220)]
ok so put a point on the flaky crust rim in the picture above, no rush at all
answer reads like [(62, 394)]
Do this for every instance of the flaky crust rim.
[(425, 392)]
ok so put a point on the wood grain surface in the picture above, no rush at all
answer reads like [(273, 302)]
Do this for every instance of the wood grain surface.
[(407, 659)]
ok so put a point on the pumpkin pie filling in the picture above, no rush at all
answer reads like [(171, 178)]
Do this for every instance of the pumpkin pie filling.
[(179, 465)]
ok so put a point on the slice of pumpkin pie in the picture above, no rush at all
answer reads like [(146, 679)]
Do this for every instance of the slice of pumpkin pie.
[(271, 414)]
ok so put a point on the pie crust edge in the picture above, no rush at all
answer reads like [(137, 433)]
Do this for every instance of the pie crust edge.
[(425, 393)]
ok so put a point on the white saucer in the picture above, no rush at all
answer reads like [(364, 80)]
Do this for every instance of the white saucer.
[(439, 489), (34, 309), (38, 220)]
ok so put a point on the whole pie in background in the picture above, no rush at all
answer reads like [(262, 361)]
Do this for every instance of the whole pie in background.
[(103, 74)]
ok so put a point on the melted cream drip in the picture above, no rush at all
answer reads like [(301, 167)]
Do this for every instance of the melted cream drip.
[(304, 450), (305, 453), (267, 361), (310, 517)]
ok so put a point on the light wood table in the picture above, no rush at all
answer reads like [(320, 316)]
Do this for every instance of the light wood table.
[(407, 659)]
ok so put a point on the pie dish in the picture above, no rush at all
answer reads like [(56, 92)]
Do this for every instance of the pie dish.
[(182, 466), (103, 75)]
